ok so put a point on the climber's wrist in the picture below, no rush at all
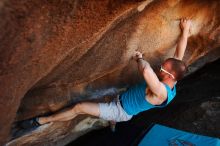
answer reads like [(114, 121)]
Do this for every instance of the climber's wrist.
[(185, 33), (139, 58)]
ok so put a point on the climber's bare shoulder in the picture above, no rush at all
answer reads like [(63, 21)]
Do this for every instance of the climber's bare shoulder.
[(155, 99), (156, 91)]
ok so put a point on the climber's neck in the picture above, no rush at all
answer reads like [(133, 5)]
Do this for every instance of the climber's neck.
[(169, 82)]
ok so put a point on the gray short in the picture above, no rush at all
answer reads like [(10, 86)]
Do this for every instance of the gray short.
[(113, 111)]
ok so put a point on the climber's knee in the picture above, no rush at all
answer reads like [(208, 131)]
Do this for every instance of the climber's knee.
[(78, 108)]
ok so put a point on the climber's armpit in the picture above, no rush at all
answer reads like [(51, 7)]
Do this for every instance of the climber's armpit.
[(154, 83)]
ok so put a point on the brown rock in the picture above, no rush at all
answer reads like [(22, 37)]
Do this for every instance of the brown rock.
[(54, 53)]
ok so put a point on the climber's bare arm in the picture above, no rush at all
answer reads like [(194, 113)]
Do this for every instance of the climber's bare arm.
[(182, 42), (151, 78)]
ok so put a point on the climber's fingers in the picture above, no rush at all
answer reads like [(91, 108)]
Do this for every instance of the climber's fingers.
[(185, 23), (137, 54)]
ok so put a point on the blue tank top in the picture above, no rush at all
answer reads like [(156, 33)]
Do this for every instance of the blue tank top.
[(133, 100)]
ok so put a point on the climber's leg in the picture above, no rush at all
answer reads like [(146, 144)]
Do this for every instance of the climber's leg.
[(112, 111), (70, 113)]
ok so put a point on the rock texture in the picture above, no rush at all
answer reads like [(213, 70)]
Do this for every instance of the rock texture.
[(55, 53), (59, 133)]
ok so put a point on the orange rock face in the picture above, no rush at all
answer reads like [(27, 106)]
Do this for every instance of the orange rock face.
[(55, 53)]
